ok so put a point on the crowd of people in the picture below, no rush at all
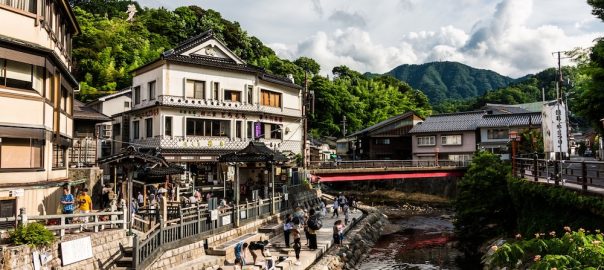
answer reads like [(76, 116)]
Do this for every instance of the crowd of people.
[(307, 221)]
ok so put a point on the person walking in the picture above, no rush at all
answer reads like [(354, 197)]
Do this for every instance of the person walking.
[(313, 224), (346, 211), (67, 201), (337, 228), (297, 245), (336, 205), (323, 208), (288, 225), (85, 207)]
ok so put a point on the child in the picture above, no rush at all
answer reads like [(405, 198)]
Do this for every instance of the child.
[(346, 211), (337, 240), (297, 244)]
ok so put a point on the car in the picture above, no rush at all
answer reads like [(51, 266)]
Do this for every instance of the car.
[(588, 153)]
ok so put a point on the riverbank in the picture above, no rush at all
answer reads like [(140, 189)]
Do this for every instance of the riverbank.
[(398, 198)]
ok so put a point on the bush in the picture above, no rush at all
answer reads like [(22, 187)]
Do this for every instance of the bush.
[(34, 234), (574, 250)]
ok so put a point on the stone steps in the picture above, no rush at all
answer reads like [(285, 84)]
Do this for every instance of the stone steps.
[(206, 262), (227, 250), (125, 262)]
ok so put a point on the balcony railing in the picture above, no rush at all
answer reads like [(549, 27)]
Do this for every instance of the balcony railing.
[(167, 100), (25, 5), (214, 143)]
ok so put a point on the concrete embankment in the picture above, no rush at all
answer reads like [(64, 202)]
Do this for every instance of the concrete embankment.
[(357, 243)]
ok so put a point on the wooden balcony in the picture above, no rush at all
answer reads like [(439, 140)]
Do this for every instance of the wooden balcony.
[(184, 102)]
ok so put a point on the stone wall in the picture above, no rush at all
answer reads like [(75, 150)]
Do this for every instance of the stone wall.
[(357, 243), (105, 249)]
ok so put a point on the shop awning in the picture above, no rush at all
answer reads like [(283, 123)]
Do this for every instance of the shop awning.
[(387, 176)]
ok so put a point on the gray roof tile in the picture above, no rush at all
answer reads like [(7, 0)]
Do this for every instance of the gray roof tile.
[(511, 120), (463, 121)]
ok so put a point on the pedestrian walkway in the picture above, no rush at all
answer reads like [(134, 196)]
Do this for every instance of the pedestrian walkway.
[(277, 249)]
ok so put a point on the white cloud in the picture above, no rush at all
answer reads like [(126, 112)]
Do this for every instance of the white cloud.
[(502, 42)]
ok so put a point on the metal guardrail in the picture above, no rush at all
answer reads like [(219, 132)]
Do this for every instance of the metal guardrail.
[(587, 174), (196, 221), (387, 164)]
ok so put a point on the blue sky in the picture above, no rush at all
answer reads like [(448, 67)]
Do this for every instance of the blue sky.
[(512, 37)]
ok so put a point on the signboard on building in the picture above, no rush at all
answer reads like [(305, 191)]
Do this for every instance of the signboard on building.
[(554, 125), (226, 220), (257, 130), (76, 250), (17, 192)]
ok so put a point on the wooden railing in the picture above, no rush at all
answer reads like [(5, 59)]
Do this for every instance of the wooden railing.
[(62, 223), (387, 164), (198, 221), (588, 175)]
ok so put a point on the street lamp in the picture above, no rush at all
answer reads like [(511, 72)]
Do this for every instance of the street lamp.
[(514, 138)]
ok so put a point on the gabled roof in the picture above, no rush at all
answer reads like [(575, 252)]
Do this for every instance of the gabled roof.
[(208, 51), (383, 123), (254, 152), (464, 121), (120, 93), (82, 112), (511, 120), (514, 108)]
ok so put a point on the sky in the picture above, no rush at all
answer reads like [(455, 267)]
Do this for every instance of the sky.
[(511, 37)]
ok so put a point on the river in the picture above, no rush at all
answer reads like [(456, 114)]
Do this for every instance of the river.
[(422, 241)]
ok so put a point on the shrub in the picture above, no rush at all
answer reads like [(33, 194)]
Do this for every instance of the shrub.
[(574, 250), (34, 234)]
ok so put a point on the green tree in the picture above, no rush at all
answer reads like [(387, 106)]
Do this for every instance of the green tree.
[(483, 208)]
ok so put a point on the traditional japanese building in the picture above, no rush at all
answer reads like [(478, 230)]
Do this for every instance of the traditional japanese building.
[(36, 103), (200, 100)]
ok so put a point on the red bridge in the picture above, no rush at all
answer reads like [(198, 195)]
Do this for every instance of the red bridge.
[(372, 170)]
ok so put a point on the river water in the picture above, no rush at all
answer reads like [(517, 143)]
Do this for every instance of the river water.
[(414, 242)]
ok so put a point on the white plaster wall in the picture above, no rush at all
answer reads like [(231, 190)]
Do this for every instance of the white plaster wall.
[(228, 80), (143, 80), (22, 112), (116, 105)]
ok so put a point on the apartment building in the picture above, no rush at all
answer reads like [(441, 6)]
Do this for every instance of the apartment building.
[(199, 101), (36, 103)]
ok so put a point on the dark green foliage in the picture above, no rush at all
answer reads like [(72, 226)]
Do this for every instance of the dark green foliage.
[(34, 234), (543, 208), (483, 208), (449, 80)]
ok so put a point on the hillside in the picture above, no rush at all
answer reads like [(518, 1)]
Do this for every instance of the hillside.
[(449, 80)]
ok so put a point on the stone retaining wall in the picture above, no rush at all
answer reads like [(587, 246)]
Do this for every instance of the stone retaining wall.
[(105, 249), (356, 244)]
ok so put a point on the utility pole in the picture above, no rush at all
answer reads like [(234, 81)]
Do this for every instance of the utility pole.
[(344, 125), (305, 119)]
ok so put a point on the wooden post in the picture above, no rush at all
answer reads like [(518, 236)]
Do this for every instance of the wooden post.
[(584, 175), (556, 172), (135, 251), (237, 181), (535, 168)]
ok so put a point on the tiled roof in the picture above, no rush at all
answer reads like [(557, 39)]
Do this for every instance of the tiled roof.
[(82, 112), (383, 123), (463, 121), (175, 55), (254, 152), (515, 108), (511, 120)]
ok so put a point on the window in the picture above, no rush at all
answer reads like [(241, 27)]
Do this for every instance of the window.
[(20, 75), (276, 132), (233, 96), (497, 134), (460, 157), (250, 130), (149, 127), (151, 88), (137, 95), (117, 130), (63, 99), (58, 156), (238, 131), (168, 126), (25, 5), (126, 104), (270, 98), (207, 127), (21, 153), (450, 140), (382, 141), (8, 208), (136, 129), (195, 89), (216, 88), (270, 131), (250, 94), (426, 140)]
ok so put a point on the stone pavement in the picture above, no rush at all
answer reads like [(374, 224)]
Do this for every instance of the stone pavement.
[(277, 248)]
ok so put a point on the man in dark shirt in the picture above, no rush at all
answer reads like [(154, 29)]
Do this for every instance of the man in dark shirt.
[(258, 245)]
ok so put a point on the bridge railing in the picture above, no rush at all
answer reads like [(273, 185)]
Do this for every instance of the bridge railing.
[(386, 164), (588, 175)]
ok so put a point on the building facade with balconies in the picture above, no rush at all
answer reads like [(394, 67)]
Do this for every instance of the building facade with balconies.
[(36, 103), (199, 101)]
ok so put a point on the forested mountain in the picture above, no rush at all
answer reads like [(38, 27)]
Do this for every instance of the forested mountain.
[(110, 47), (449, 80)]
